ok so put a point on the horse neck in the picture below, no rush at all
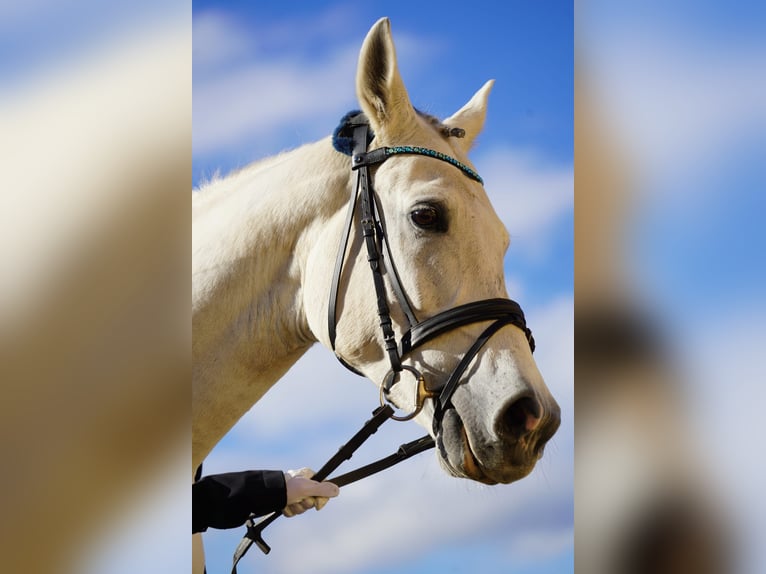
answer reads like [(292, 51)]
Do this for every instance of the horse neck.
[(251, 235)]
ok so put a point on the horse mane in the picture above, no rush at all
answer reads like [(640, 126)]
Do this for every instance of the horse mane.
[(210, 180)]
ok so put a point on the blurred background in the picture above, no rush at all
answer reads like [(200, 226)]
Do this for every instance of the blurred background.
[(669, 276), (95, 147)]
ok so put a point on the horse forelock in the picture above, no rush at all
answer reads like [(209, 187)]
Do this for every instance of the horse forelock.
[(342, 137), (442, 129)]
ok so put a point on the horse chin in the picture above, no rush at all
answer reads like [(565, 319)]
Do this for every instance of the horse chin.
[(460, 459)]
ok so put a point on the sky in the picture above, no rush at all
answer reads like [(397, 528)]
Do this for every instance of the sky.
[(273, 76)]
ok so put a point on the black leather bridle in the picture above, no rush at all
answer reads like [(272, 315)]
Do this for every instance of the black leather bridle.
[(501, 312)]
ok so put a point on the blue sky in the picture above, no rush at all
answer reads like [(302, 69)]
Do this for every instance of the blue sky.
[(272, 76)]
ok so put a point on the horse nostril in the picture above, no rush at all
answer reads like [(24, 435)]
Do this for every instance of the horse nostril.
[(520, 418)]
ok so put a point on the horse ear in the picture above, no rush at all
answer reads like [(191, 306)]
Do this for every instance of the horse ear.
[(379, 85), (471, 116)]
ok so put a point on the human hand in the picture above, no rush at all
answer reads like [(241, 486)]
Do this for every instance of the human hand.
[(304, 493)]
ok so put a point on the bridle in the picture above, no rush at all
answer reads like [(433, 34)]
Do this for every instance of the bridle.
[(501, 311), (352, 137)]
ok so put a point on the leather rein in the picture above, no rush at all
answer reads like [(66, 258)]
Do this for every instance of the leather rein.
[(500, 311)]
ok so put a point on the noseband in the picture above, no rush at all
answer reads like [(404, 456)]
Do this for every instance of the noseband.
[(502, 312)]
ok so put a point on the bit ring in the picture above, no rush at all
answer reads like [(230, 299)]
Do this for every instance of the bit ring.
[(421, 393)]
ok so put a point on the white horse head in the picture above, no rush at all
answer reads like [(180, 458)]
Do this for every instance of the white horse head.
[(264, 244), (448, 246)]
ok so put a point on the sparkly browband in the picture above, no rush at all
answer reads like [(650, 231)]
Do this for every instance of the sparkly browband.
[(409, 149), (342, 141)]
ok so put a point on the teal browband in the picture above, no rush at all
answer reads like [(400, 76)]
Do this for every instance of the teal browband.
[(342, 141), (409, 149)]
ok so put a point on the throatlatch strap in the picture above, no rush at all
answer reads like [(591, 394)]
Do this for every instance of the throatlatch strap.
[(332, 310)]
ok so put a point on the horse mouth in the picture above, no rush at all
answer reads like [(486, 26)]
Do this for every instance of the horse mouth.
[(471, 464), (490, 464)]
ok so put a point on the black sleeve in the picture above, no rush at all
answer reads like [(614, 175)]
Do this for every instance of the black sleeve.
[(226, 500)]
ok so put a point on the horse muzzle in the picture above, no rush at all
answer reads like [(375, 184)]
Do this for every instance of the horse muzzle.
[(503, 452)]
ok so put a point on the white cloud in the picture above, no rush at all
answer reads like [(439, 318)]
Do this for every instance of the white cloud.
[(531, 545), (257, 99), (432, 509), (417, 502), (725, 394), (553, 326), (243, 94), (218, 38), (530, 194), (515, 287)]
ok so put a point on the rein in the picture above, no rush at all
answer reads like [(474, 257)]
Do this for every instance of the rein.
[(352, 137), (254, 533)]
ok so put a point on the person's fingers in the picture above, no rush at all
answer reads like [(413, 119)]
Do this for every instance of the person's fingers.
[(294, 509), (299, 507), (326, 490), (299, 488), (320, 502), (304, 493)]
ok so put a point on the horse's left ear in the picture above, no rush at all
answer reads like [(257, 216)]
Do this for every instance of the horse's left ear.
[(380, 88), (471, 116)]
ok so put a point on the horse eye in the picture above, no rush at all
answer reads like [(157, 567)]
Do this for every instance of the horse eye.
[(426, 217)]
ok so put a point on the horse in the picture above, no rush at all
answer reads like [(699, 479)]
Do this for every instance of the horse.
[(265, 244)]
